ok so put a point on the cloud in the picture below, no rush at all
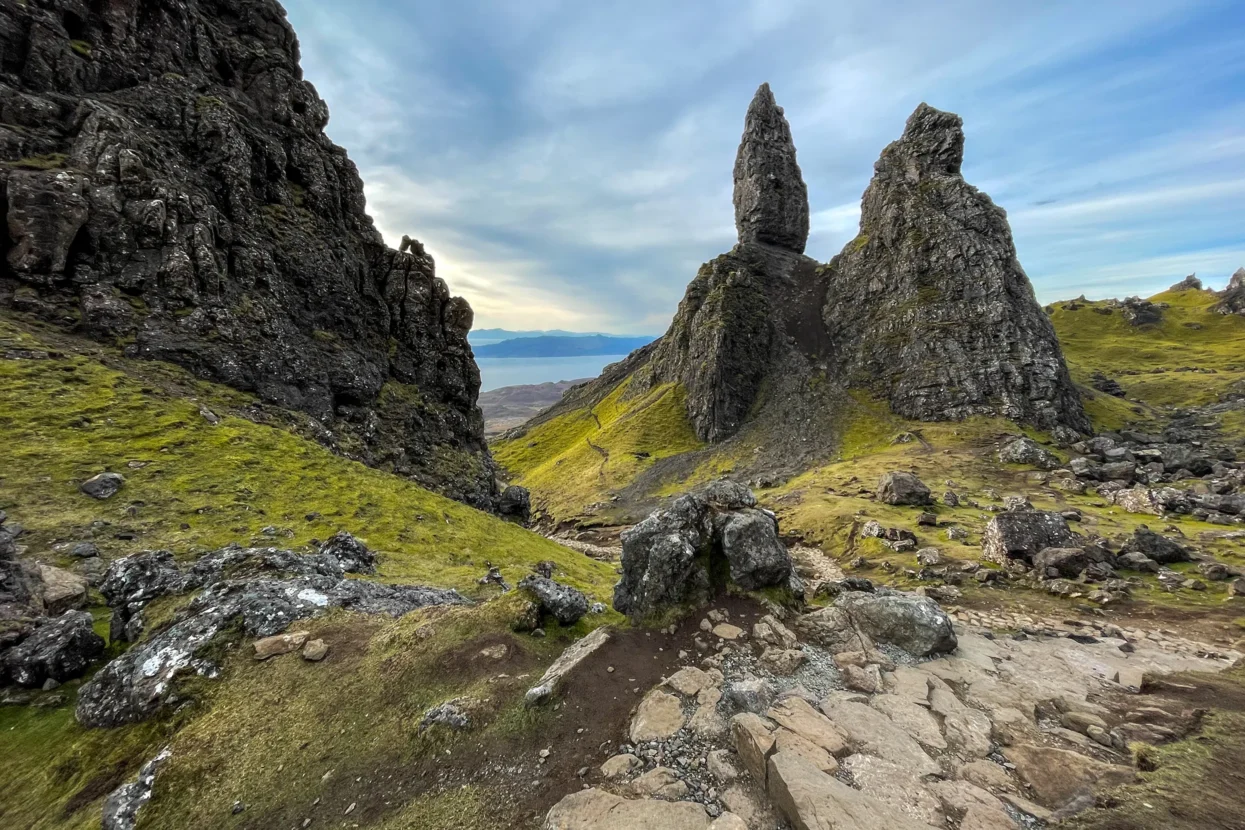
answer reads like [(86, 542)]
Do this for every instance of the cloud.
[(570, 163)]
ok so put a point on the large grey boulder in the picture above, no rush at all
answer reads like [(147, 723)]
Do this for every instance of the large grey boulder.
[(749, 540), (515, 503), (664, 559), (667, 558), (60, 649), (564, 603), (1022, 534), (1027, 451), (1156, 546), (771, 200), (914, 623), (1060, 562), (902, 488)]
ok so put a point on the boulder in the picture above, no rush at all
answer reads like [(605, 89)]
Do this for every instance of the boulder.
[(352, 555), (60, 649), (1022, 534), (1135, 561), (139, 682), (753, 738), (902, 488), (84, 550), (1060, 562), (915, 624), (1161, 549), (661, 559), (749, 540), (567, 605), (1058, 776), (515, 503), (1029, 452), (102, 486), (1137, 500), (62, 590), (724, 494), (279, 644), (122, 804)]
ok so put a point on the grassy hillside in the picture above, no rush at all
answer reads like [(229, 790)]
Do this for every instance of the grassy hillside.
[(266, 733), (1190, 358), (579, 458)]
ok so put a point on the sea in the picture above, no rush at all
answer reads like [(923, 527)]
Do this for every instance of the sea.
[(496, 372)]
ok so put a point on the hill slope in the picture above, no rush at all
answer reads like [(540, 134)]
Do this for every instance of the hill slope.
[(205, 466)]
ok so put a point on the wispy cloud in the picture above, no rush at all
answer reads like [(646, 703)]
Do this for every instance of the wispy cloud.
[(569, 163)]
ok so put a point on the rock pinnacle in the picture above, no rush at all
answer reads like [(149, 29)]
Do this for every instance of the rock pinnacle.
[(771, 200)]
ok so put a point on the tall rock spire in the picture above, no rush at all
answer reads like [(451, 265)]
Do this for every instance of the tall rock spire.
[(771, 200)]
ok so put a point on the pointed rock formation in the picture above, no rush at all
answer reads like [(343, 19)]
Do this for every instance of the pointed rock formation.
[(771, 200), (1232, 298), (166, 183), (929, 307), (738, 314)]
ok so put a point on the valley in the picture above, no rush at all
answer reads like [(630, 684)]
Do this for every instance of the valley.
[(288, 541)]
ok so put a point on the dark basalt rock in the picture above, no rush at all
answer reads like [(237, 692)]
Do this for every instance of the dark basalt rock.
[(1156, 546), (669, 558), (898, 487), (60, 649), (515, 503), (771, 200), (929, 306), (1023, 534), (564, 603), (167, 184), (135, 685)]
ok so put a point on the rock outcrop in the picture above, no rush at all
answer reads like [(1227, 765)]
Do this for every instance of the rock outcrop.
[(1232, 298), (260, 590), (167, 184), (929, 308)]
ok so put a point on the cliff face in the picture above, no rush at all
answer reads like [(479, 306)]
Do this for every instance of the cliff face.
[(929, 307), (167, 184)]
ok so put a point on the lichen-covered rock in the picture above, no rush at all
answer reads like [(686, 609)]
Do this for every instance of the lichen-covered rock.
[(929, 305), (915, 624), (60, 649), (666, 558), (1022, 534), (899, 488), (122, 805), (515, 503), (564, 603), (262, 590), (174, 190), (771, 200), (1028, 451)]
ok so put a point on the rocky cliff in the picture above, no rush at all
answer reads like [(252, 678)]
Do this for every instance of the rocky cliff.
[(168, 185), (929, 307)]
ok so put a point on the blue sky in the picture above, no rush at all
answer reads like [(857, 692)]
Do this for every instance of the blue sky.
[(569, 163)]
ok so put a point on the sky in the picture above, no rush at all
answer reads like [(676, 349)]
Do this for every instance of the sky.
[(568, 162)]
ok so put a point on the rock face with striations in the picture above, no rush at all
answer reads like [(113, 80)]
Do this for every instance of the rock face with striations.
[(929, 307), (744, 310), (771, 200), (167, 184), (1232, 298)]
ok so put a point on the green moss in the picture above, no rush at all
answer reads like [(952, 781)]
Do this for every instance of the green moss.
[(47, 161), (206, 103), (82, 47), (192, 487), (580, 457), (860, 242)]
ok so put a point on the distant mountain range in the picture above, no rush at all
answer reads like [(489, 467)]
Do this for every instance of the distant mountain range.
[(563, 346), (497, 335), (511, 406)]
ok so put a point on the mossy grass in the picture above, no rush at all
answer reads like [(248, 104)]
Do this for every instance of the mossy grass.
[(192, 487), (581, 457)]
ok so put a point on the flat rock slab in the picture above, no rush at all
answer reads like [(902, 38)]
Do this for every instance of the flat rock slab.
[(279, 644), (598, 810), (570, 659), (1058, 776), (812, 800), (658, 717), (871, 732), (895, 786), (798, 715)]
